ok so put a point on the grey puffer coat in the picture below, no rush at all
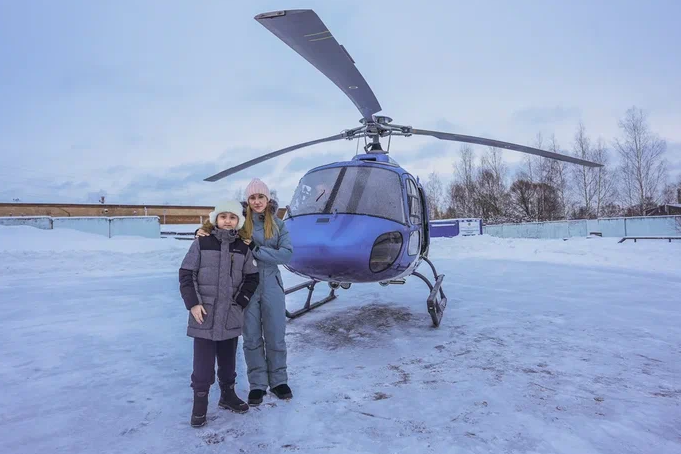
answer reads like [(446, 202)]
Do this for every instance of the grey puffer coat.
[(220, 273)]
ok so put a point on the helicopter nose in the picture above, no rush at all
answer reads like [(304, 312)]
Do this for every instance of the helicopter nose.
[(327, 258), (337, 247)]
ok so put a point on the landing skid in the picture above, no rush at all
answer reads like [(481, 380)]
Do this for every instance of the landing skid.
[(437, 301), (309, 285)]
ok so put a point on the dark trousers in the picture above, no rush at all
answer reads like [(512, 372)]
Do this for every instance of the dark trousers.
[(205, 352)]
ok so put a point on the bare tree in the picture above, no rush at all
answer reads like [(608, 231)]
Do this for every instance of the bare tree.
[(456, 200), (541, 172), (560, 178), (672, 192), (531, 170), (522, 193), (491, 195), (585, 179), (643, 167), (493, 161), (434, 195), (605, 187), (669, 194), (464, 174), (543, 168)]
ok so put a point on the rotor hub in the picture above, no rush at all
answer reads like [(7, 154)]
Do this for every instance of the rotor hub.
[(380, 119), (379, 126)]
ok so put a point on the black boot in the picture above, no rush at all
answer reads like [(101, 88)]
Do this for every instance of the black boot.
[(282, 391), (200, 408), (255, 396), (230, 401)]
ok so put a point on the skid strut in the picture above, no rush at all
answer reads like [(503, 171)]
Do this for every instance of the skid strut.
[(437, 301), (308, 306)]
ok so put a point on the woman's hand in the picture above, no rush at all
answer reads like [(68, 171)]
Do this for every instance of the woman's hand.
[(202, 232), (198, 312), (247, 242)]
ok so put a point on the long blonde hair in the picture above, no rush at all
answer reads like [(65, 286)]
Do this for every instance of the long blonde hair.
[(270, 226)]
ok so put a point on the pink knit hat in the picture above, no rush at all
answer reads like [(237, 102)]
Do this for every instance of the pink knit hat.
[(257, 187)]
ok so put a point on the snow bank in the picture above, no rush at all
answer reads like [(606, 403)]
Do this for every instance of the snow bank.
[(646, 255), (29, 239), (27, 250)]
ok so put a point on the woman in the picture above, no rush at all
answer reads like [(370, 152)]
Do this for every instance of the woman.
[(265, 316)]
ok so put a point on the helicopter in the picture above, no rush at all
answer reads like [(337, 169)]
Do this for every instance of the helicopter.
[(364, 220)]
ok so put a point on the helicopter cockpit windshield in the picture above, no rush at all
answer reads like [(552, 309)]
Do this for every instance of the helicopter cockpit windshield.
[(350, 190)]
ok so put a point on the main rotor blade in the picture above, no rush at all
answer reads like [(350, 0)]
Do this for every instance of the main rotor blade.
[(305, 33), (274, 154), (506, 145)]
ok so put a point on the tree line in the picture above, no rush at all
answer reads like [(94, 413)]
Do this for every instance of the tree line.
[(544, 189)]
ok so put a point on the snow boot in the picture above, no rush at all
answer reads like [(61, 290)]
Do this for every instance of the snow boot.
[(282, 391), (255, 396), (230, 401), (200, 408)]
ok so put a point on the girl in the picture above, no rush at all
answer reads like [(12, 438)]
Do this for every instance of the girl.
[(265, 317), (218, 278)]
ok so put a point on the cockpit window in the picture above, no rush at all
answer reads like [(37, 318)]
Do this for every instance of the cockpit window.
[(354, 190)]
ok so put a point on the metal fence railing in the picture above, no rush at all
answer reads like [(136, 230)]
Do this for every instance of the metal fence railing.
[(608, 227)]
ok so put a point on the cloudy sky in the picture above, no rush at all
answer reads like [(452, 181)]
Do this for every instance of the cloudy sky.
[(142, 100)]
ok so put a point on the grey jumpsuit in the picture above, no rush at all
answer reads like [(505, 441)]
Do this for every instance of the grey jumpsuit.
[(265, 317)]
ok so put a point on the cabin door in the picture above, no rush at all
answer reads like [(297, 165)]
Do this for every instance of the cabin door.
[(415, 210)]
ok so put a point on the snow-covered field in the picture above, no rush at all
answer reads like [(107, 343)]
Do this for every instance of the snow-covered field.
[(547, 346)]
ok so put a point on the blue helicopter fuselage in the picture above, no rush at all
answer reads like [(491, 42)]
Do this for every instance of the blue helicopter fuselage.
[(357, 221)]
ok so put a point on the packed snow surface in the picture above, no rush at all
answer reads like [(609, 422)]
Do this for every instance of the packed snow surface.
[(546, 346)]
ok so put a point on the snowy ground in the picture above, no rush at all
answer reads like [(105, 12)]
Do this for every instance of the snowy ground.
[(547, 346)]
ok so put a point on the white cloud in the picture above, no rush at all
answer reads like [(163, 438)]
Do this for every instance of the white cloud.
[(146, 105)]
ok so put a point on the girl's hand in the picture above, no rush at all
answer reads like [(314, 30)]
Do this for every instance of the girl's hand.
[(198, 312), (202, 232)]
